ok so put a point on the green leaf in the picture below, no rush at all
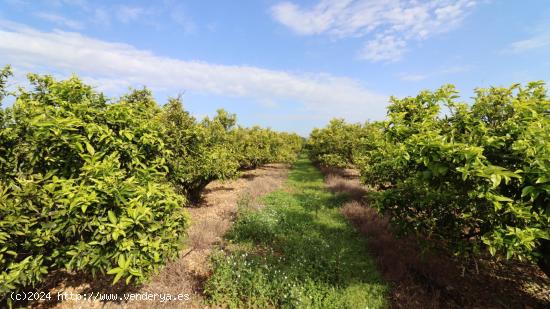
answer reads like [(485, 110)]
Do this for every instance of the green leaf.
[(113, 271), (495, 179), (527, 190), (112, 217), (118, 276), (501, 198), (79, 146), (89, 148), (122, 261)]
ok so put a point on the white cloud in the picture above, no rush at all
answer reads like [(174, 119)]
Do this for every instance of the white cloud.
[(538, 41), (153, 15), (82, 4), (115, 66), (539, 38), (315, 21), (100, 16), (384, 48), (391, 21), (107, 14), (60, 20), (180, 17), (78, 3)]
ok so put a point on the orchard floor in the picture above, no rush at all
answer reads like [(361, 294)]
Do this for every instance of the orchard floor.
[(434, 279), (296, 252), (210, 219), (277, 239)]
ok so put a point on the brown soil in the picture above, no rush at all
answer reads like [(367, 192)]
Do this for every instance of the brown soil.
[(210, 219), (434, 279)]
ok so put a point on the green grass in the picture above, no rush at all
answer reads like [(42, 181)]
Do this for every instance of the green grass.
[(297, 252)]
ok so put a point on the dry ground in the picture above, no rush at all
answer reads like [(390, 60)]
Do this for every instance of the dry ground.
[(434, 280), (210, 219)]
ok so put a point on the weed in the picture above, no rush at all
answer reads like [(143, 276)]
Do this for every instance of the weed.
[(297, 252)]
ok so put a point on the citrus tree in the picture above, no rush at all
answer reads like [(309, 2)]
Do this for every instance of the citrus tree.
[(199, 152), (99, 185), (83, 186), (257, 146), (475, 177), (335, 144)]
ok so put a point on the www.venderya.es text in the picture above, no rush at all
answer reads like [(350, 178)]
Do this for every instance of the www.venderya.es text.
[(96, 296)]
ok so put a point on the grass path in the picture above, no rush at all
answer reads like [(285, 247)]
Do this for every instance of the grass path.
[(296, 252)]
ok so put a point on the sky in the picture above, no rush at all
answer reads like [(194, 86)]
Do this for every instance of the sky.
[(289, 65)]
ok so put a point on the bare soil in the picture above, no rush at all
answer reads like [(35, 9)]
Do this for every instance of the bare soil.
[(435, 279), (210, 219)]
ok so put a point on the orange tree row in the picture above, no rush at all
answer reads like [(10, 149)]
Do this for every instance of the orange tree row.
[(475, 177), (99, 185)]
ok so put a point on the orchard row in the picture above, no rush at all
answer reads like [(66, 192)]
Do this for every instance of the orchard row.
[(98, 185), (473, 178)]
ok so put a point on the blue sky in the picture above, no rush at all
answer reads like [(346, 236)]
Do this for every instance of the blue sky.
[(290, 65)]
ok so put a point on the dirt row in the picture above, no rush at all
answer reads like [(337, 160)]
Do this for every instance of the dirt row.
[(210, 219), (434, 279)]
